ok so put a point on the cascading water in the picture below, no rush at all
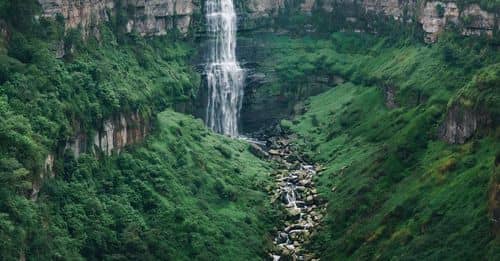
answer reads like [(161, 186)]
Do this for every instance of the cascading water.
[(224, 75)]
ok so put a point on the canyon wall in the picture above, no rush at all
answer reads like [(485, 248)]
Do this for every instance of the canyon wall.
[(433, 16), (147, 18), (158, 17), (108, 137), (112, 135)]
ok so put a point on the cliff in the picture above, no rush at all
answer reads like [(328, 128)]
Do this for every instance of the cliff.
[(158, 17), (432, 16), (111, 136), (144, 17)]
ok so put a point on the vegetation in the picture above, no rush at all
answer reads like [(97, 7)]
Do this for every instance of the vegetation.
[(185, 194), (43, 100), (395, 190), (177, 197)]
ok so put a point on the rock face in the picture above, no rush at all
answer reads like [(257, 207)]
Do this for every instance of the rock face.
[(460, 124), (46, 172), (390, 96), (157, 17), (85, 13), (112, 136), (434, 17), (146, 17), (395, 8), (477, 21)]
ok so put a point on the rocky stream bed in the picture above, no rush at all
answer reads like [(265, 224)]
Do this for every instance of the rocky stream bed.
[(295, 190)]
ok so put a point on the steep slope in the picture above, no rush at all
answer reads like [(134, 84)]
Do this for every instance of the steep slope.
[(395, 187), (88, 170), (185, 194)]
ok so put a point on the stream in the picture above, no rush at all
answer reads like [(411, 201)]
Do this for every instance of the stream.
[(295, 190)]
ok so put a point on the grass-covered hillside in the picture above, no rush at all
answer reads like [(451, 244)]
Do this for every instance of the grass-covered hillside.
[(185, 194), (44, 99), (394, 189)]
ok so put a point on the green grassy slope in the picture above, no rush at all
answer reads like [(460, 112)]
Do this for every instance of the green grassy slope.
[(44, 100), (394, 189), (186, 194)]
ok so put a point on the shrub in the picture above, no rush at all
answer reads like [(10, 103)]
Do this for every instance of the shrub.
[(440, 10)]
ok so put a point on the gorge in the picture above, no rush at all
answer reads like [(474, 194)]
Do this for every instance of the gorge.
[(370, 130)]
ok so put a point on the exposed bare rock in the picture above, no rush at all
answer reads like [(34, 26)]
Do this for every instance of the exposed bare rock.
[(146, 17), (264, 8), (460, 124), (390, 96), (157, 17), (393, 8), (433, 22), (46, 172), (307, 6), (258, 151), (477, 21), (113, 135), (84, 13)]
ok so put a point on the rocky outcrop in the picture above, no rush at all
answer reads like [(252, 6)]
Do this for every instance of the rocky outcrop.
[(46, 172), (263, 8), (390, 93), (145, 17), (160, 16), (397, 9), (435, 16), (86, 14), (460, 124), (477, 21), (112, 136)]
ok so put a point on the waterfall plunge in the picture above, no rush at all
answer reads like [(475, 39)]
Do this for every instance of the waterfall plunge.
[(224, 75)]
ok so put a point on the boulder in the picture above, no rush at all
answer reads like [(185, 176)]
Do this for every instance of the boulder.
[(258, 151)]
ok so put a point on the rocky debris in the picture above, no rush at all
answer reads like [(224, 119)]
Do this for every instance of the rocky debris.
[(258, 151), (296, 192)]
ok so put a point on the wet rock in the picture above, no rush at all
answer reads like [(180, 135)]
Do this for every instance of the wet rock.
[(258, 151), (293, 213), (297, 193), (274, 152), (305, 182)]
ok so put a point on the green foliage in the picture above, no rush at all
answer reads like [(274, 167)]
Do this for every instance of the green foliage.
[(142, 204), (483, 93), (95, 81), (20, 14), (440, 10), (398, 191)]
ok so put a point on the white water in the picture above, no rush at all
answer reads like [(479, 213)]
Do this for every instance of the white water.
[(224, 75)]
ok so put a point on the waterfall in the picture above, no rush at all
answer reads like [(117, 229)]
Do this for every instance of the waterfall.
[(224, 75)]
